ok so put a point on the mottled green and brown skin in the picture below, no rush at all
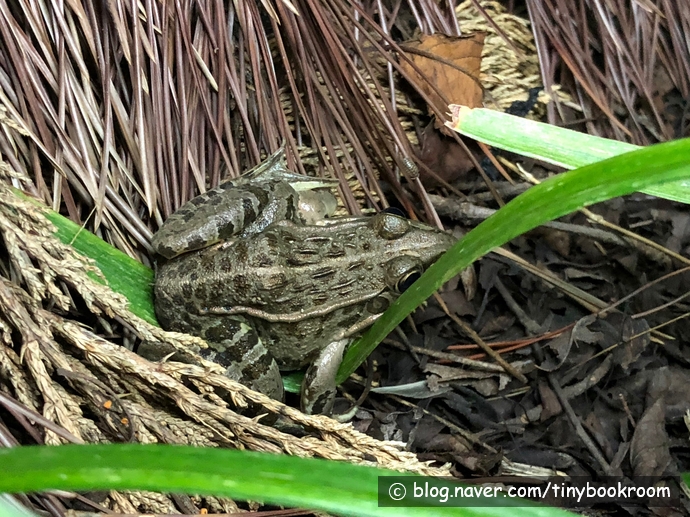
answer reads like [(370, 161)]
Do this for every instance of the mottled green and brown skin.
[(244, 206), (289, 294)]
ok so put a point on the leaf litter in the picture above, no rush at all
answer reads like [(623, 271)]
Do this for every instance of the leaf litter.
[(606, 393)]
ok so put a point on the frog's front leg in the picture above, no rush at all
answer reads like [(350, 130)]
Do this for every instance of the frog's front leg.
[(319, 388)]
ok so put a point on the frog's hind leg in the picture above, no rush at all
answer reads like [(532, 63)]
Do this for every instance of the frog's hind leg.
[(237, 347)]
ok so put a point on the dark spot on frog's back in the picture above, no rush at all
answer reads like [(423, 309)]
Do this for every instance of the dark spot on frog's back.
[(187, 290), (226, 264), (186, 213), (260, 193), (199, 263), (215, 199), (263, 260), (196, 243), (201, 291), (201, 200), (241, 250), (216, 286), (271, 282), (240, 284), (226, 231)]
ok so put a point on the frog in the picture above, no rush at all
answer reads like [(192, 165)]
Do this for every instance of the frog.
[(261, 270)]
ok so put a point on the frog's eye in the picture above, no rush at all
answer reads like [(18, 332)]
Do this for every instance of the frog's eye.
[(389, 226), (401, 272), (406, 281)]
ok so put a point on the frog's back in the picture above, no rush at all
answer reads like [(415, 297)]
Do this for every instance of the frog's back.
[(290, 268)]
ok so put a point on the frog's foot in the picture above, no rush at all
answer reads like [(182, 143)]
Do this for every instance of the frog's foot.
[(318, 388), (246, 360)]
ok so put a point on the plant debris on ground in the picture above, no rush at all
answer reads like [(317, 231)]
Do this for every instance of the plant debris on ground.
[(115, 118)]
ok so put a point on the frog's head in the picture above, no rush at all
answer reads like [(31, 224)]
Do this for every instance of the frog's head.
[(410, 248)]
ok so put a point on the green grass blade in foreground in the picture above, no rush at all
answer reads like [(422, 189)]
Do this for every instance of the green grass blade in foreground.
[(551, 199), (552, 144), (125, 275), (330, 486)]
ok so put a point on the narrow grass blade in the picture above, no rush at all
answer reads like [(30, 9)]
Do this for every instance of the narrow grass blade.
[(329, 486), (553, 198), (124, 275), (552, 144)]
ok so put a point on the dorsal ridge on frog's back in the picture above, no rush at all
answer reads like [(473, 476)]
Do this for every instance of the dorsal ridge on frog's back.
[(289, 272)]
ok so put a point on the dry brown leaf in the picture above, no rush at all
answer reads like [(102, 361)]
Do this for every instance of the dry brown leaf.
[(649, 449), (443, 155), (450, 69)]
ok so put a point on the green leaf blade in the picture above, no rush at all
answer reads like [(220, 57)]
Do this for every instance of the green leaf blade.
[(329, 486), (124, 275), (552, 144), (555, 197)]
